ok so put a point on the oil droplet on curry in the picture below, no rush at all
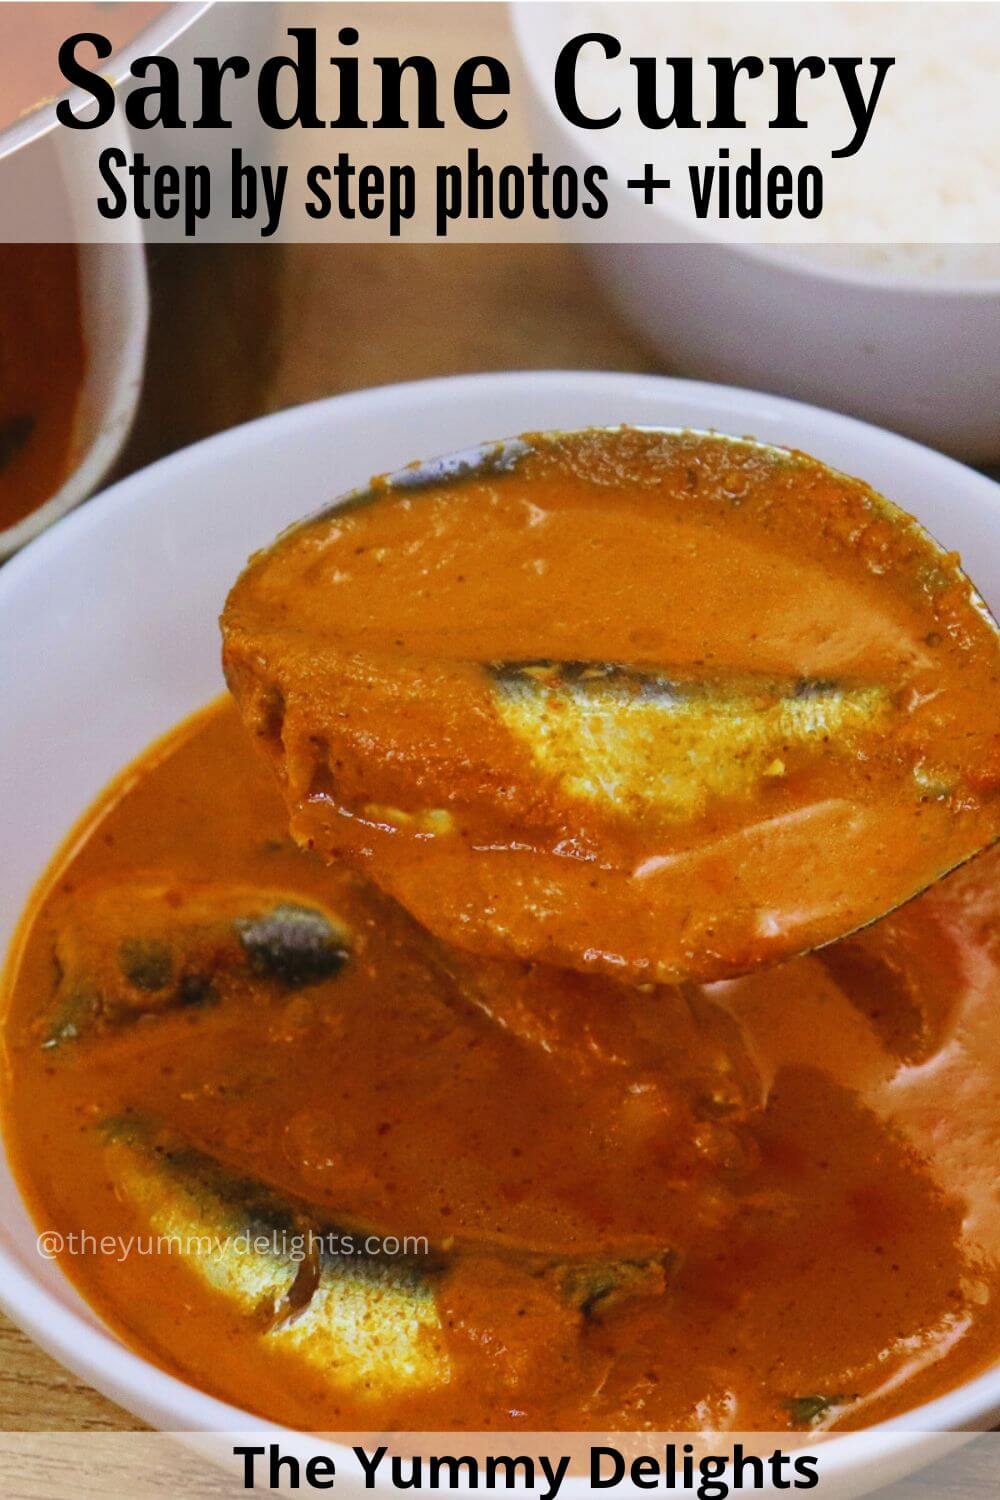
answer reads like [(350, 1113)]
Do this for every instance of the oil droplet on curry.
[(419, 1182)]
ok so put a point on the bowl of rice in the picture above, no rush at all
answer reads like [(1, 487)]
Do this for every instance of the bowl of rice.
[(875, 319)]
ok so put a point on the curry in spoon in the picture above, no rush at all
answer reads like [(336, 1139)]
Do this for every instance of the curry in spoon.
[(666, 705)]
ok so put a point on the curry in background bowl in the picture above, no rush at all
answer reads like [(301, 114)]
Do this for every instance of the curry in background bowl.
[(30, 37), (41, 373), (521, 1187), (73, 323), (73, 317)]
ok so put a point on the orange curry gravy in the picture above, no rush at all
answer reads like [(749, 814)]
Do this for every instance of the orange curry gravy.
[(41, 373), (787, 1181), (658, 705)]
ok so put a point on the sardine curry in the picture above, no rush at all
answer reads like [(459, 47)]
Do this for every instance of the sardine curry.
[(405, 1122)]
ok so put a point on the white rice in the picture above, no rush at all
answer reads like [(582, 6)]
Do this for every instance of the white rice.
[(929, 171)]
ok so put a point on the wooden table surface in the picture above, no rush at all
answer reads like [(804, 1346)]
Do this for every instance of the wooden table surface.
[(239, 331)]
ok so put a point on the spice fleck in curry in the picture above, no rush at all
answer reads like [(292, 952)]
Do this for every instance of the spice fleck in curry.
[(519, 1135)]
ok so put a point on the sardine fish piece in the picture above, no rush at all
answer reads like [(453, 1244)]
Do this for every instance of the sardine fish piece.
[(369, 1321), (328, 1292), (133, 947), (644, 740)]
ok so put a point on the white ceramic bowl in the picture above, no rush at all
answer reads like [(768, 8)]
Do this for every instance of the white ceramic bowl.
[(919, 355), (114, 288), (113, 277), (114, 298), (109, 635)]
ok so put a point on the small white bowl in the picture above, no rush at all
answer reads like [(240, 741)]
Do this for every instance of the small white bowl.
[(109, 635), (919, 355), (114, 286), (114, 298)]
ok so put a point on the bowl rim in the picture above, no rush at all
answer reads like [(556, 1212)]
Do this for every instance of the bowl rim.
[(84, 1344), (781, 256), (40, 118)]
